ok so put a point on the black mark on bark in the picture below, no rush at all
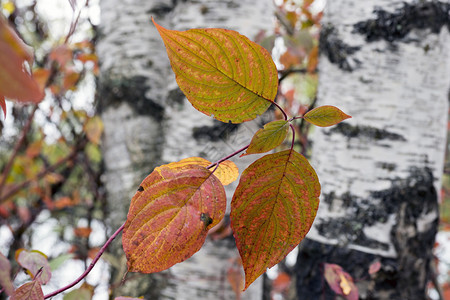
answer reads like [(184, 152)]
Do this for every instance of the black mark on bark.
[(402, 277), (393, 26), (372, 133), (114, 91), (216, 132), (336, 50)]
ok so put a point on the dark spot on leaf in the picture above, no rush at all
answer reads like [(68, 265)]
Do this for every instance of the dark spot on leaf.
[(206, 219), (140, 189)]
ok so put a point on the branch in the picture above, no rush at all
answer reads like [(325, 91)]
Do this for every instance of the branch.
[(227, 157), (16, 149), (91, 266), (14, 190), (286, 73)]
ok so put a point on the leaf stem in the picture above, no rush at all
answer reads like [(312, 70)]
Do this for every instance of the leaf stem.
[(227, 157), (293, 136), (91, 266), (282, 110), (17, 188)]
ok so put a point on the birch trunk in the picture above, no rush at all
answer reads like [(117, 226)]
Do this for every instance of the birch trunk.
[(386, 63), (148, 122)]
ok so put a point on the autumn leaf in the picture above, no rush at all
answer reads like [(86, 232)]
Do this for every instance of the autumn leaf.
[(85, 292), (29, 291), (272, 209), (82, 232), (94, 129), (15, 82), (170, 216), (374, 267), (268, 138), (5, 279), (3, 105), (33, 261), (221, 72), (226, 172), (340, 282), (325, 116)]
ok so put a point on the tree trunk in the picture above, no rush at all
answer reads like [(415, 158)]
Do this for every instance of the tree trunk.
[(148, 122), (386, 63)]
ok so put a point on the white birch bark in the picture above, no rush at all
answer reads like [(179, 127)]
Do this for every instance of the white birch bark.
[(148, 121), (373, 166)]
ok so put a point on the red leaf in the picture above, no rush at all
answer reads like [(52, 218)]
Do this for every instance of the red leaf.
[(340, 282), (374, 267), (33, 261), (5, 279), (29, 291), (15, 82), (170, 216), (272, 209)]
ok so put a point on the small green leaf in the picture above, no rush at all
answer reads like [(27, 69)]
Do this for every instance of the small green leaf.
[(221, 72), (269, 137), (59, 260), (325, 116)]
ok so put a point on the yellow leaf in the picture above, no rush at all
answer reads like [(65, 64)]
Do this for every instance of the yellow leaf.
[(226, 172), (221, 72), (345, 286), (94, 129)]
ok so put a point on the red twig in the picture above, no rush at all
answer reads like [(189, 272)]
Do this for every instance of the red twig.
[(91, 266), (293, 136), (227, 157)]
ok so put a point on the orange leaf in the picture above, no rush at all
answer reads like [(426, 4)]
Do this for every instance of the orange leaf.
[(313, 59), (61, 54), (5, 279), (272, 209), (325, 116), (34, 149), (282, 282), (70, 79), (221, 72), (227, 172), (268, 138), (340, 282), (82, 231), (170, 216), (41, 76), (94, 129), (33, 261), (29, 291), (15, 82)]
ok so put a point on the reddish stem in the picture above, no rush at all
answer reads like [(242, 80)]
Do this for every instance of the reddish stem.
[(227, 157), (281, 109), (293, 135), (91, 266)]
